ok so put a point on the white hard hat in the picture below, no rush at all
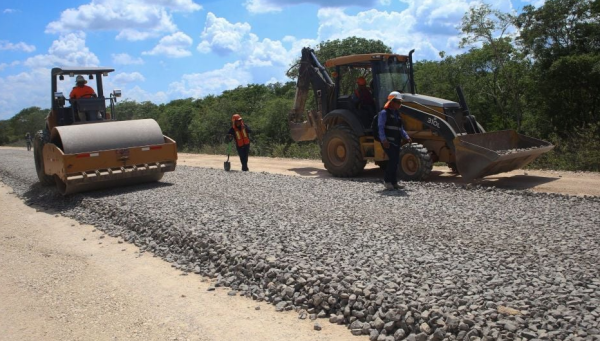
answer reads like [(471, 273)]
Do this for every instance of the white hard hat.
[(394, 95), (80, 79)]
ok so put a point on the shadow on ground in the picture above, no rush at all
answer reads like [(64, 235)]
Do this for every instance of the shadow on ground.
[(441, 176)]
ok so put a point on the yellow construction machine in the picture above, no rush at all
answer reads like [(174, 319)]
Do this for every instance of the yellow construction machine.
[(83, 147), (441, 130)]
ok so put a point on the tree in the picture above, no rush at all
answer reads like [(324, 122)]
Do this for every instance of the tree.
[(502, 68), (563, 39), (337, 48)]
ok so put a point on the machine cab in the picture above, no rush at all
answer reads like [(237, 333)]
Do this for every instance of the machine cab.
[(66, 111), (383, 73)]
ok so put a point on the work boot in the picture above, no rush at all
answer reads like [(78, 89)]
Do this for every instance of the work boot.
[(388, 186), (397, 186)]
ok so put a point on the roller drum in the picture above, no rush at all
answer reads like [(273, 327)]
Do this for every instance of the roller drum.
[(85, 138)]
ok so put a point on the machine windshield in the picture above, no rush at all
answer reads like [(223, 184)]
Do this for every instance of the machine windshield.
[(393, 76)]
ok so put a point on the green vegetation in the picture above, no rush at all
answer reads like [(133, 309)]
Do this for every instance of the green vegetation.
[(537, 72)]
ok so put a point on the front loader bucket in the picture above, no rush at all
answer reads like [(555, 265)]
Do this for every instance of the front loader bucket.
[(108, 154), (480, 155)]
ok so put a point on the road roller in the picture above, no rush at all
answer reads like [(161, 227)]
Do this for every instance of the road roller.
[(84, 147)]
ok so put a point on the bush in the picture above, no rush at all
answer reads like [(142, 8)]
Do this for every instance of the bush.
[(578, 152)]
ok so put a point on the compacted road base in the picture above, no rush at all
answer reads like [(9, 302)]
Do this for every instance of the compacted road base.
[(435, 261)]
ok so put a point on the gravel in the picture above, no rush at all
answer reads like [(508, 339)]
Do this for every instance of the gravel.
[(514, 151), (433, 262)]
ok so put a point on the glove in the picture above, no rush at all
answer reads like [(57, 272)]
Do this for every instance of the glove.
[(386, 144), (229, 138)]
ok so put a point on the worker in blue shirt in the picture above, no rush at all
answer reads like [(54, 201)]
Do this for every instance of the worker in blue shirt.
[(391, 133)]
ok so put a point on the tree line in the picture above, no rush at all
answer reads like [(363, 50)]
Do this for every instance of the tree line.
[(537, 71)]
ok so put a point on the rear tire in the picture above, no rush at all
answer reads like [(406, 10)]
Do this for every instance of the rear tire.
[(415, 163), (340, 152), (40, 139)]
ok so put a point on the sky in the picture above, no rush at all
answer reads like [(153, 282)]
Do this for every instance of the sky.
[(164, 50)]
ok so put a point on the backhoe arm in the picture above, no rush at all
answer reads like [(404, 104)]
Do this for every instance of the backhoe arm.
[(311, 73)]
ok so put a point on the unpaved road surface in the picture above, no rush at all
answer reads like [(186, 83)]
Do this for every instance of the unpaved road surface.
[(65, 281), (564, 182), (534, 253)]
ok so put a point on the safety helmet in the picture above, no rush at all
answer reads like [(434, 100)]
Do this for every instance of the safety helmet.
[(80, 79), (236, 117), (361, 81), (393, 96)]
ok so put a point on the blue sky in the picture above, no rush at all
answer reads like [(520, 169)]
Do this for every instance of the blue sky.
[(171, 49)]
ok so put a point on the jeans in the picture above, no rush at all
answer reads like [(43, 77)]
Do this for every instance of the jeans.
[(391, 171), (243, 153)]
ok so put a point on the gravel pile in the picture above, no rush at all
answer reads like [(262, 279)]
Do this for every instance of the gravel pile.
[(434, 262)]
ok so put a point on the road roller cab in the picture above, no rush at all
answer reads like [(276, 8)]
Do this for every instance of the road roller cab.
[(84, 147)]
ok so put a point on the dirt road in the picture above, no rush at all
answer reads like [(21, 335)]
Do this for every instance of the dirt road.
[(573, 183), (65, 281)]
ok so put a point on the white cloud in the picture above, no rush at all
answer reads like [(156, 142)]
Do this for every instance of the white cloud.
[(3, 66), (35, 84), (267, 6), (9, 11), (126, 59), (427, 26), (223, 37), (199, 85), (261, 6), (125, 78), (140, 95), (176, 5), (20, 46), (174, 46), (135, 19), (68, 50)]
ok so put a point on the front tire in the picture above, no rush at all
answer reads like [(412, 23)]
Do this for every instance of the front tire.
[(415, 162), (40, 139), (340, 152)]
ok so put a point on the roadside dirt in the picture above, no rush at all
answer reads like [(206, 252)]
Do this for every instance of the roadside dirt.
[(573, 183), (65, 281)]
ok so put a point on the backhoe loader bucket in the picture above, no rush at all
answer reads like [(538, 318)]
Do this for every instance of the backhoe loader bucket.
[(480, 155), (108, 154), (302, 131)]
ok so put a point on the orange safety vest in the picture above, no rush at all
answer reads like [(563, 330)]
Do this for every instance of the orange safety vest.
[(241, 136)]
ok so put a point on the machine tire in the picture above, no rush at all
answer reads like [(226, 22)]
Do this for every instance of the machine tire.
[(340, 152), (40, 139), (415, 162)]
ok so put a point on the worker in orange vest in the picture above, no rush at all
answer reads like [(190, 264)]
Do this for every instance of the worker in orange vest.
[(239, 131)]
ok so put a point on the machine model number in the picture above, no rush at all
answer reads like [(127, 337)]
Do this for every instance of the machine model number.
[(433, 121)]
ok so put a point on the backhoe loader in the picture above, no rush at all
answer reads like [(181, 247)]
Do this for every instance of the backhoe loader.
[(441, 130), (83, 147)]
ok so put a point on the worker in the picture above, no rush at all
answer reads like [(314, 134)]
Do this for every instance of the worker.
[(391, 132), (240, 131), (80, 90), (28, 140), (363, 98), (362, 94)]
